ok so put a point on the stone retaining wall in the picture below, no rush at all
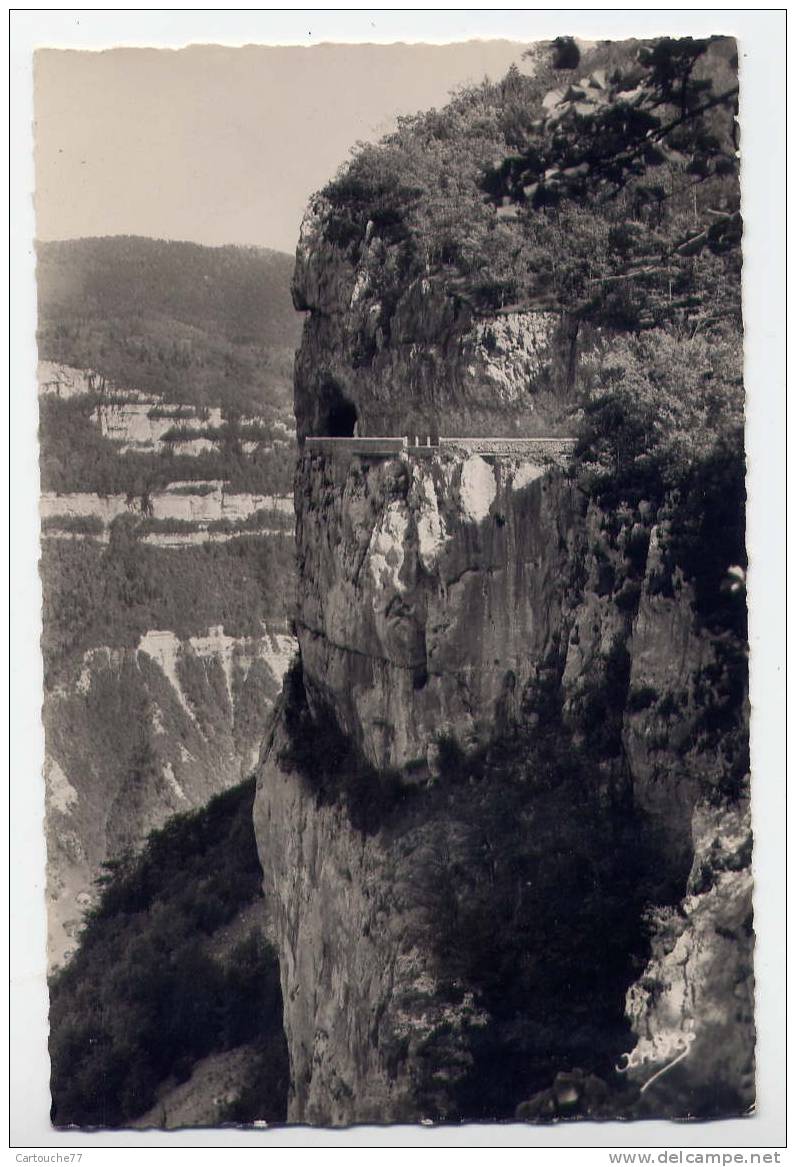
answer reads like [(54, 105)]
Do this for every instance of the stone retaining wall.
[(543, 451)]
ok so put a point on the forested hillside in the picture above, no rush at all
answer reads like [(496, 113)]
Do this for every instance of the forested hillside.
[(111, 595), (164, 978), (166, 457), (75, 456), (200, 325)]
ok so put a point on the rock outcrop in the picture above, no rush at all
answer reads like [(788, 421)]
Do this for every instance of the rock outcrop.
[(692, 1010), (446, 604), (423, 361), (211, 505)]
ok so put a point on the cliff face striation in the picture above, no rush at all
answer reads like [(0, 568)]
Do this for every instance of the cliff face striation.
[(481, 806), (136, 735)]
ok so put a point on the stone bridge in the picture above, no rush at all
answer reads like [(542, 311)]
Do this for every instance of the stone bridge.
[(542, 451)]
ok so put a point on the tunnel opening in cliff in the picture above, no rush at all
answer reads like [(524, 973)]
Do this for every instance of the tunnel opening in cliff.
[(338, 415)]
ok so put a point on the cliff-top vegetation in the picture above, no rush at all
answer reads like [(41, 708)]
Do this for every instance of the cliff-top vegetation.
[(622, 164), (604, 187)]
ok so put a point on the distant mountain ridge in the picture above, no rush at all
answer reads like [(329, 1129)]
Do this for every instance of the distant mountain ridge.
[(204, 325)]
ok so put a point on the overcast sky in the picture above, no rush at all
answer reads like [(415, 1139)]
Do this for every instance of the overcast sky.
[(222, 145)]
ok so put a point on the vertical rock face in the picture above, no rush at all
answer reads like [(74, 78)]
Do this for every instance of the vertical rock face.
[(693, 1009), (430, 591), (372, 1035), (443, 602)]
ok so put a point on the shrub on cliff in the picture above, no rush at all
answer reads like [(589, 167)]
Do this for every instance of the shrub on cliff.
[(659, 404), (709, 534)]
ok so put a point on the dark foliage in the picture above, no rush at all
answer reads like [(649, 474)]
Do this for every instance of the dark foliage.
[(601, 705), (566, 54), (89, 525), (709, 534), (147, 993), (641, 698), (614, 126), (531, 869)]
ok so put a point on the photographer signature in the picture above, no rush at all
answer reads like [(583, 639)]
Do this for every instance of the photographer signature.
[(673, 1046)]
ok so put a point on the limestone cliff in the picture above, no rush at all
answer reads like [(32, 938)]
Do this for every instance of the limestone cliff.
[(507, 713), (136, 735)]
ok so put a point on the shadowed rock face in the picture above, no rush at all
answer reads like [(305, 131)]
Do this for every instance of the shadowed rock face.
[(373, 1034), (447, 599)]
